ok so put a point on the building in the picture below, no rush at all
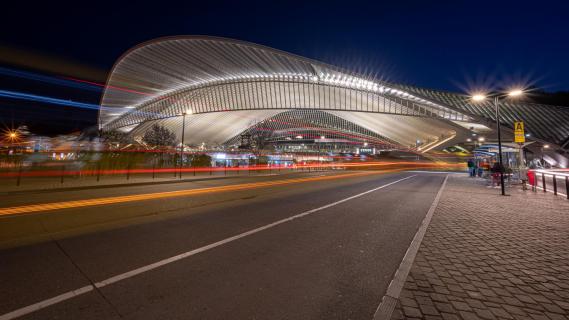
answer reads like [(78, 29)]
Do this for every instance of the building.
[(224, 90)]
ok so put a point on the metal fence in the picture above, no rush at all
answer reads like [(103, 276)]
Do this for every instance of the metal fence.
[(554, 181)]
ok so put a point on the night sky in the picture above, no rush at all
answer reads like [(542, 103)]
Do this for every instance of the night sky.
[(448, 45)]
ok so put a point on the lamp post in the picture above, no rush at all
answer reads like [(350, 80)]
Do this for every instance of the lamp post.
[(545, 146), (500, 146), (182, 145), (481, 97), (320, 151)]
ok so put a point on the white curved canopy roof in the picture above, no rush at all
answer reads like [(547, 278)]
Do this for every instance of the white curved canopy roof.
[(190, 67), (163, 78)]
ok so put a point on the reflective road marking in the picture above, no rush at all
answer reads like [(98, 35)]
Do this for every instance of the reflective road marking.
[(71, 294)]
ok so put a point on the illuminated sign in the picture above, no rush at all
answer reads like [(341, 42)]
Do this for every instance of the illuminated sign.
[(519, 132)]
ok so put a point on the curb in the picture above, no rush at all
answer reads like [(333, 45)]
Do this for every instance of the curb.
[(118, 185), (389, 300)]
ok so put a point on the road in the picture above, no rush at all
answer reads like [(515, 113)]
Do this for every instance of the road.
[(313, 249)]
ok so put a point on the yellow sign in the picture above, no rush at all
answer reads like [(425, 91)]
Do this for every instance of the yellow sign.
[(519, 132)]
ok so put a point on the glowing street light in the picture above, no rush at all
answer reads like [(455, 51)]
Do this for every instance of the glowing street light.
[(12, 135), (480, 97), (481, 139)]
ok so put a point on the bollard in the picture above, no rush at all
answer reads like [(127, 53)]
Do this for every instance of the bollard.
[(62, 172), (543, 182), (567, 187), (98, 171), (554, 185)]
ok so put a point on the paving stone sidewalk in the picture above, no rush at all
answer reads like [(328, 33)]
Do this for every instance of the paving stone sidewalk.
[(486, 256)]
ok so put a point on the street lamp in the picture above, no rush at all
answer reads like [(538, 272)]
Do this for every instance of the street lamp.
[(182, 145), (545, 146), (482, 97), (12, 136), (320, 151)]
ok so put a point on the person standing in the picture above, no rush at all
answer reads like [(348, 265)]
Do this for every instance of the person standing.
[(471, 167), (480, 170)]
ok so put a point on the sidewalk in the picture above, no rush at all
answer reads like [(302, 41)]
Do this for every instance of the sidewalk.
[(486, 256)]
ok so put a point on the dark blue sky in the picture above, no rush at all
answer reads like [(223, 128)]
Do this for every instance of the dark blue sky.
[(448, 45), (438, 44)]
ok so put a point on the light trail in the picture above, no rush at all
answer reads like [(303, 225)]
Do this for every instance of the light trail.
[(26, 209), (343, 165), (160, 263), (66, 81), (33, 97), (108, 86), (48, 79)]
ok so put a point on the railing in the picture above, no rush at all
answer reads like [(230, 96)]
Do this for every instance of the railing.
[(551, 181)]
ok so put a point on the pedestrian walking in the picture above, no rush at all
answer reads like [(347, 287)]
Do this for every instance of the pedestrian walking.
[(524, 177), (496, 170)]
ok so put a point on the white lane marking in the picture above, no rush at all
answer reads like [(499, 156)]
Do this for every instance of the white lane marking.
[(445, 172), (71, 294), (389, 300), (46, 303)]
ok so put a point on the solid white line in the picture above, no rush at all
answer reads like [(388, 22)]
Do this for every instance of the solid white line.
[(46, 303), (132, 273), (389, 300), (445, 172)]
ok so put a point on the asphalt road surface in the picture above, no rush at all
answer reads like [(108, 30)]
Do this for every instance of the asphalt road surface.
[(322, 249)]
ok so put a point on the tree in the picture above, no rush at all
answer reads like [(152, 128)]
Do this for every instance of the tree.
[(201, 160), (159, 136), (116, 139), (260, 135)]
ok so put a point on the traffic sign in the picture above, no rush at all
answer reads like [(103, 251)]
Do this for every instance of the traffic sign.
[(519, 132)]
